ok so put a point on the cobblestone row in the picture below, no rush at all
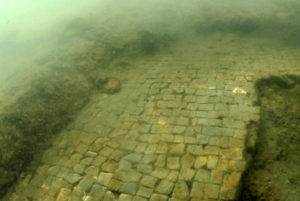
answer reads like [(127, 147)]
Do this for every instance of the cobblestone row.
[(172, 133)]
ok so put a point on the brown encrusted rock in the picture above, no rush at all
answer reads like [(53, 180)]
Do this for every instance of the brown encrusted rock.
[(111, 85)]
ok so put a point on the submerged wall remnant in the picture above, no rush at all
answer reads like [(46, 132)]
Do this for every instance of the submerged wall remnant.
[(274, 170)]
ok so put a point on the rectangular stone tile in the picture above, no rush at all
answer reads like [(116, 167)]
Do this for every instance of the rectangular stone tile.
[(173, 175), (148, 181), (195, 149), (160, 173), (145, 192), (104, 178), (203, 176), (128, 188), (181, 191), (212, 162), (186, 174), (161, 161), (173, 163), (165, 187), (197, 190), (125, 197), (177, 149), (211, 191)]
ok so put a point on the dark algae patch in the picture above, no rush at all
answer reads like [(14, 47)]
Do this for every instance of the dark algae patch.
[(274, 171), (27, 126)]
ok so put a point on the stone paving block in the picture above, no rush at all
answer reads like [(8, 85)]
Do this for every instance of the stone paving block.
[(190, 91), (232, 154), (203, 176), (153, 138), (198, 113), (117, 155), (160, 173), (82, 148), (165, 187), (187, 161), (197, 190), (190, 99), (211, 150), (145, 192), (85, 184), (211, 191), (106, 151), (125, 197), (148, 181), (227, 193), (192, 106), (190, 140), (139, 198), (173, 163), (176, 149), (149, 158), (104, 178), (228, 123), (109, 166), (161, 161), (144, 168), (76, 157), (178, 129), (121, 175), (73, 178), (167, 138), (162, 148), (91, 154), (181, 191), (133, 157), (86, 161), (232, 179), (178, 139), (97, 192), (141, 147), (114, 185), (236, 142), (217, 176), (205, 107), (98, 161), (202, 139), (195, 149), (237, 165), (37, 180), (145, 128), (186, 174), (182, 121), (133, 176), (151, 149), (59, 183), (92, 170), (129, 146), (53, 170), (173, 175), (63, 194), (129, 188), (109, 196), (212, 162), (158, 197)]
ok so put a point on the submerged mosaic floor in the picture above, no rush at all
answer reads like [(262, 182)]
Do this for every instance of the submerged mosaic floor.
[(176, 131)]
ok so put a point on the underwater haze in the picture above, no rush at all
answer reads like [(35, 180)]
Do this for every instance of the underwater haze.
[(149, 100)]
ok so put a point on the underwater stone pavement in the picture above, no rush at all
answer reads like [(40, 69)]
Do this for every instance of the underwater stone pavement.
[(175, 132)]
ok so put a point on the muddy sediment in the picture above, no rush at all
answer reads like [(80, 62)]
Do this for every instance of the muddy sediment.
[(274, 170)]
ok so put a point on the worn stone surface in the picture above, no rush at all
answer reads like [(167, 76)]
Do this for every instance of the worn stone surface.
[(176, 131)]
